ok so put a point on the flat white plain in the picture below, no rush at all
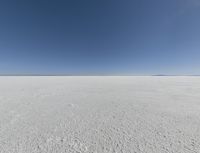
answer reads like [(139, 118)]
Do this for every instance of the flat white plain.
[(52, 114)]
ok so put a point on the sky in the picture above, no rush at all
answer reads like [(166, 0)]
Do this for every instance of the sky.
[(112, 37)]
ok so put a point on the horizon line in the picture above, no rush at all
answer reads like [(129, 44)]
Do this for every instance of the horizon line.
[(96, 75)]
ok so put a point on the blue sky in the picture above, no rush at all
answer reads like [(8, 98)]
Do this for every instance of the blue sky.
[(139, 37)]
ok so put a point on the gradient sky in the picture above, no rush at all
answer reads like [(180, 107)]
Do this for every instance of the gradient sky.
[(139, 37)]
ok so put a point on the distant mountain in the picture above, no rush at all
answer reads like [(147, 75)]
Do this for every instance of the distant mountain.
[(172, 75), (161, 75)]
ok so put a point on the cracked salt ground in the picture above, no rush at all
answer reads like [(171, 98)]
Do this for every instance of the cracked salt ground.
[(99, 115)]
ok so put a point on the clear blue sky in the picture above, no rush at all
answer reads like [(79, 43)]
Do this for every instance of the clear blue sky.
[(100, 36)]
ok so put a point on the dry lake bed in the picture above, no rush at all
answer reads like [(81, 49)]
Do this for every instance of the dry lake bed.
[(67, 114)]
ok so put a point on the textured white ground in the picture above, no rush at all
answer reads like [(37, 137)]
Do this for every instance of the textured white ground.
[(99, 114)]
